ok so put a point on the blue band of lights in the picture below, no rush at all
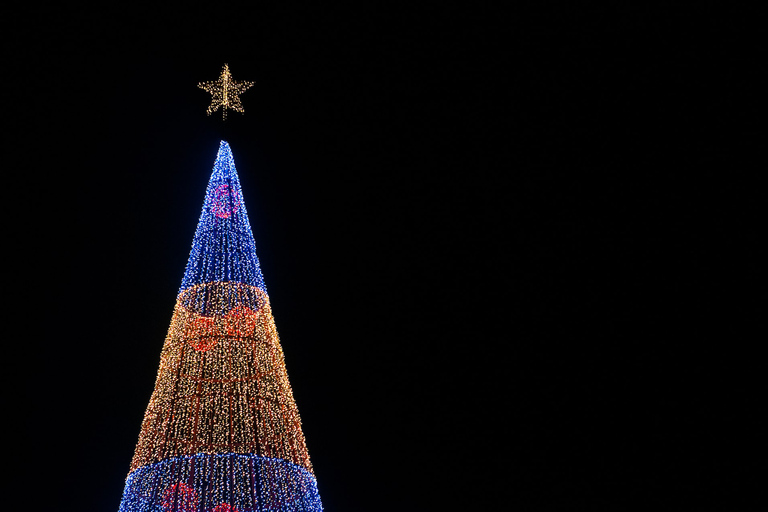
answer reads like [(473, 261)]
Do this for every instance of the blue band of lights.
[(223, 249), (221, 482)]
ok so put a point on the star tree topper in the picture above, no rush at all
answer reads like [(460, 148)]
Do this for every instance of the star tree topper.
[(225, 92)]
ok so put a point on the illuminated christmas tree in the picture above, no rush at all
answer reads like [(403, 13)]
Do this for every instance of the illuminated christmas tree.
[(222, 432)]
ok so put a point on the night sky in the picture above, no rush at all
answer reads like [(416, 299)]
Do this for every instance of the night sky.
[(499, 246)]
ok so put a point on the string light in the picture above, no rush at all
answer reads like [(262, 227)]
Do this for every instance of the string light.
[(222, 432), (225, 92)]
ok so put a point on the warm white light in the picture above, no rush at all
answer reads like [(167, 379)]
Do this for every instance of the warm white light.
[(225, 92)]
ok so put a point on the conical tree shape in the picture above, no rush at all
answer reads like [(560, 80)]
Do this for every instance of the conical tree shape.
[(222, 432)]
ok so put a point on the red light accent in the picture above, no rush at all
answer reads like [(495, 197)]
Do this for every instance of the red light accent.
[(180, 498), (225, 507), (201, 333), (223, 204), (240, 322)]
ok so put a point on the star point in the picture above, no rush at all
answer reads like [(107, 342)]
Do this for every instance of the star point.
[(225, 92)]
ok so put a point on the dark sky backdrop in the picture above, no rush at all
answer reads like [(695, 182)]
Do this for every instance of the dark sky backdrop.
[(494, 242)]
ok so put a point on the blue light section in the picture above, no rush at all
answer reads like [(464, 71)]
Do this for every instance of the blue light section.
[(223, 249), (221, 482)]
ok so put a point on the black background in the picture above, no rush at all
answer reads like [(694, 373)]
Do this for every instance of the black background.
[(509, 253)]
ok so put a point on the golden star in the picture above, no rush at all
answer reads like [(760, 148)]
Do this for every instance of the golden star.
[(224, 92)]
